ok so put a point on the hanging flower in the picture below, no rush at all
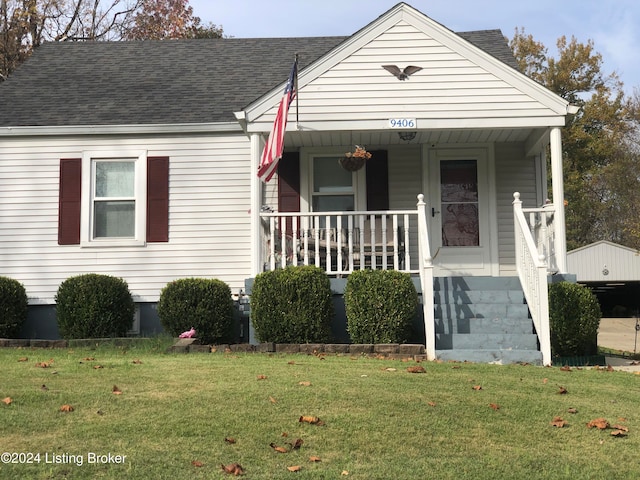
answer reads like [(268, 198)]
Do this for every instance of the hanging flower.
[(355, 160)]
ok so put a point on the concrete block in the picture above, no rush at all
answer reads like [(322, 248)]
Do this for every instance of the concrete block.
[(266, 347), (311, 348), (411, 349), (336, 348), (287, 348), (360, 348), (386, 348)]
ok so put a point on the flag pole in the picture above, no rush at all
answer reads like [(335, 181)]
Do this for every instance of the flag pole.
[(297, 92)]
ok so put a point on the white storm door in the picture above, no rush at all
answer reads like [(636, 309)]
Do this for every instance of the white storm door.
[(460, 211)]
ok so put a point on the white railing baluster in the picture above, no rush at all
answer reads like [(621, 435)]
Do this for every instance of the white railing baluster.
[(283, 241), (272, 243), (407, 255), (361, 227), (350, 241), (396, 260)]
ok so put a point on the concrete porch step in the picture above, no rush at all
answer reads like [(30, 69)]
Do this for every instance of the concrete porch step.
[(481, 310), (461, 284), (502, 357), (463, 297), (475, 325), (489, 341)]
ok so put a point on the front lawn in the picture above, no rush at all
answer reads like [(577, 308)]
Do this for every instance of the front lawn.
[(144, 414)]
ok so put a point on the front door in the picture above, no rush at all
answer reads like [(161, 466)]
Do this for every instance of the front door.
[(459, 208)]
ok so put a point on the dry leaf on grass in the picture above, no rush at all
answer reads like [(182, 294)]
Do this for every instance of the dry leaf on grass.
[(66, 408), (23, 359), (7, 400), (431, 404), (44, 364), (495, 406), (559, 422), (97, 367), (261, 377), (561, 390), (297, 444), (305, 384), (619, 433), (230, 440), (273, 400), (89, 359), (294, 468), (313, 458), (599, 423), (233, 469), (310, 419), (197, 463), (477, 387), (416, 369), (116, 391), (137, 362), (278, 448), (572, 410), (566, 368)]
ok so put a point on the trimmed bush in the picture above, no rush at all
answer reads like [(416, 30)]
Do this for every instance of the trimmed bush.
[(574, 317), (94, 306), (380, 306), (13, 307), (292, 305), (202, 303)]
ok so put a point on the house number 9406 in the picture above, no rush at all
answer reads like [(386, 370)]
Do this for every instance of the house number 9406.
[(402, 122)]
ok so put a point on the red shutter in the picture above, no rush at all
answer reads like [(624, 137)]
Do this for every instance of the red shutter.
[(289, 185), (69, 199), (157, 199), (378, 181)]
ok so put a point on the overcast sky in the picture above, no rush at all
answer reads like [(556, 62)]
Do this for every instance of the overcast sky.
[(613, 25)]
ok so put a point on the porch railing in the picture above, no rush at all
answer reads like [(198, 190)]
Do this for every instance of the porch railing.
[(532, 271), (541, 225), (341, 242)]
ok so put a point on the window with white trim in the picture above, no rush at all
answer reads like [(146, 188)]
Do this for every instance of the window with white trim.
[(113, 209)]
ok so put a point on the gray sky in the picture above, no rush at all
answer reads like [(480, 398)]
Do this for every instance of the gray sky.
[(613, 25)]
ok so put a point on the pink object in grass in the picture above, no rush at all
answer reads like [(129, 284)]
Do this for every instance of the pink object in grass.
[(188, 334)]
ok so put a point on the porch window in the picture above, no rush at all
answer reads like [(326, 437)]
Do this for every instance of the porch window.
[(333, 187), (459, 203)]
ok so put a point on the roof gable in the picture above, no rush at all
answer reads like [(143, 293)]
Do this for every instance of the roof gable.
[(464, 76)]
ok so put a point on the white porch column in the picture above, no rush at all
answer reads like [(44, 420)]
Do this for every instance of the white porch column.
[(557, 182), (256, 204)]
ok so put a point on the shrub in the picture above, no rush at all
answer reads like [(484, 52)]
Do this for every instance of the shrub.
[(574, 317), (202, 303), (292, 305), (13, 307), (380, 306), (94, 306)]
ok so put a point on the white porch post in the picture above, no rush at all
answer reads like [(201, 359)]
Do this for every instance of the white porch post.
[(256, 201), (557, 181)]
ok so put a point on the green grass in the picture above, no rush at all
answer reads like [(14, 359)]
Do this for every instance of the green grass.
[(378, 422)]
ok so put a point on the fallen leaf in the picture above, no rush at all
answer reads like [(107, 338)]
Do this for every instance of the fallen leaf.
[(291, 363), (272, 400), (66, 408), (313, 458), (561, 390), (344, 472), (262, 377), (297, 444), (416, 369), (390, 369), (116, 391), (600, 423), (196, 463), (310, 419), (137, 362), (44, 388), (431, 404), (618, 433), (233, 469), (545, 380), (97, 367), (278, 449), (100, 412), (7, 400), (456, 367), (23, 359), (43, 364), (89, 359), (477, 387), (621, 428), (305, 384), (294, 468), (572, 410), (495, 406), (285, 434), (566, 368), (558, 422), (230, 440)]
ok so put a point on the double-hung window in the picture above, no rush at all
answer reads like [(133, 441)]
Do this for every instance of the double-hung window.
[(114, 199)]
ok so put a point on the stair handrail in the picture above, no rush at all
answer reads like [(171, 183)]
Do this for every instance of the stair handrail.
[(532, 271), (426, 279)]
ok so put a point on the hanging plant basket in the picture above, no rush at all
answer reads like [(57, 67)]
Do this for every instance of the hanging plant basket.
[(355, 160)]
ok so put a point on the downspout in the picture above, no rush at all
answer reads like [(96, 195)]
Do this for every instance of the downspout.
[(557, 185)]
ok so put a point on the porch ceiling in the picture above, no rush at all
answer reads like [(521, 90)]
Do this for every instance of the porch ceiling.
[(295, 139)]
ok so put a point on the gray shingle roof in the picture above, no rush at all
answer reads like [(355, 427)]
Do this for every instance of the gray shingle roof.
[(163, 82)]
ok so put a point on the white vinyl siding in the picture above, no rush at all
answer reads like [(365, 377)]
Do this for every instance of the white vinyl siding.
[(209, 223)]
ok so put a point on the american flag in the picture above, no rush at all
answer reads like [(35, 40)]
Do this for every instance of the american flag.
[(273, 149)]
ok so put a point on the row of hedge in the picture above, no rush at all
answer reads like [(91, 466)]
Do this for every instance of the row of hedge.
[(291, 305), (294, 305)]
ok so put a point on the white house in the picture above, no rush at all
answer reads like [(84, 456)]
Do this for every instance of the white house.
[(139, 159)]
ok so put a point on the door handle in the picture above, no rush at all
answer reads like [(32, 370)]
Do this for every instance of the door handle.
[(433, 212)]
